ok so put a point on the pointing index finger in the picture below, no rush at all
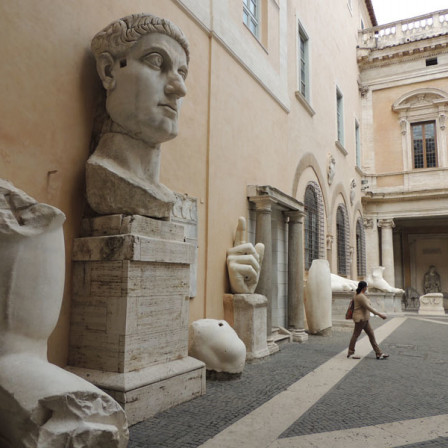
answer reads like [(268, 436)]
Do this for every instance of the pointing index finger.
[(240, 234)]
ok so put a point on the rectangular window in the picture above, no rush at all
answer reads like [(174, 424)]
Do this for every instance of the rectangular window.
[(303, 63), (340, 116), (251, 15), (424, 144), (358, 144)]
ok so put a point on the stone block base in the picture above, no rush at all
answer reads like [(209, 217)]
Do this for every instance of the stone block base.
[(432, 305), (299, 335), (386, 302), (248, 313), (143, 393)]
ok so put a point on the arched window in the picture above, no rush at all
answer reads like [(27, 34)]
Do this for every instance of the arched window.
[(342, 234), (360, 249), (314, 228)]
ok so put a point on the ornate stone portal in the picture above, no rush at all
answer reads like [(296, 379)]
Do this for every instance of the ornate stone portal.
[(130, 306), (41, 405)]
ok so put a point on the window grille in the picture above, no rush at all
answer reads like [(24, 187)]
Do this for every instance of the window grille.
[(424, 144), (343, 238), (314, 225), (251, 15), (360, 249)]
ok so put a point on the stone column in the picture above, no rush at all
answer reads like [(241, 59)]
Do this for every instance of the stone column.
[(372, 248), (387, 249), (296, 310), (263, 235)]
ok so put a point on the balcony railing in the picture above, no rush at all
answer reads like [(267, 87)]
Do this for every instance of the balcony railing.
[(404, 31)]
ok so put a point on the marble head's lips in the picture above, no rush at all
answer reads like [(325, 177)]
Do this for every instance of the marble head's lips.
[(21, 215), (169, 105)]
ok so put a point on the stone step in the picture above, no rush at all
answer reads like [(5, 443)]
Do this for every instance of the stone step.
[(280, 334)]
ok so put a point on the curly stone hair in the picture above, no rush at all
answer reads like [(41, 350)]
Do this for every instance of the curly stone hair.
[(122, 34)]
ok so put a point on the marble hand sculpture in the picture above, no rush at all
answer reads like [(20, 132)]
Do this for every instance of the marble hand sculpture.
[(142, 61), (244, 262), (41, 405)]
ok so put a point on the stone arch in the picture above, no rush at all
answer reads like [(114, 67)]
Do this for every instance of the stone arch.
[(338, 190), (309, 161), (427, 95)]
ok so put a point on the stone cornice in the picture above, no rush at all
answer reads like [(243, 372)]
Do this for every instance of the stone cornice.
[(375, 197), (422, 49), (256, 193)]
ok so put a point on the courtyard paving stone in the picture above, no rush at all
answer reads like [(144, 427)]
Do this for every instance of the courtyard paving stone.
[(411, 384)]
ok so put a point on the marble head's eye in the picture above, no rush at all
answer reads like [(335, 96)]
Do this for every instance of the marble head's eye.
[(155, 60), (183, 73)]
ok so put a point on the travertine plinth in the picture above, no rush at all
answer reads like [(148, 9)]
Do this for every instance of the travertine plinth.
[(249, 322), (130, 311)]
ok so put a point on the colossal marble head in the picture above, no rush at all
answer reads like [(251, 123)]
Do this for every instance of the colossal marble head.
[(142, 61)]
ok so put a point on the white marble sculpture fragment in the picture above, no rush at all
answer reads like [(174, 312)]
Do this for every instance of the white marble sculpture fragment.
[(142, 61), (244, 262), (342, 284), (216, 343), (375, 280), (41, 405), (318, 297)]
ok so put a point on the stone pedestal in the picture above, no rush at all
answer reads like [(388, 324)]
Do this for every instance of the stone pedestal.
[(432, 304), (130, 313), (249, 322), (386, 302)]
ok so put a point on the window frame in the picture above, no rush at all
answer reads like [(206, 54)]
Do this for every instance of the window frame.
[(319, 243), (311, 229), (360, 249), (421, 105), (342, 241), (340, 116), (424, 145), (358, 144), (303, 60), (252, 18)]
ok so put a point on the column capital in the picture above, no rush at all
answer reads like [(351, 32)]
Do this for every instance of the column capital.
[(262, 203), (369, 223), (386, 223), (295, 216)]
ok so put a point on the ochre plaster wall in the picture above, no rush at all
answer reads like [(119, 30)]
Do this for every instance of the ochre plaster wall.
[(387, 132), (49, 93), (233, 132)]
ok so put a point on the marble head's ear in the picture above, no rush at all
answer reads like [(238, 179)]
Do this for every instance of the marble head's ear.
[(105, 67)]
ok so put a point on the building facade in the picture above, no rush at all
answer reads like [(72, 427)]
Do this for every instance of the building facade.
[(306, 103), (405, 97)]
